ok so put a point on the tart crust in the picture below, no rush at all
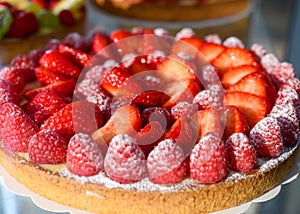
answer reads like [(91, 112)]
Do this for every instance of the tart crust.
[(175, 11), (98, 198)]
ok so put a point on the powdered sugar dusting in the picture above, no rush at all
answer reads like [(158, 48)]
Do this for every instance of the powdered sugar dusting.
[(213, 38), (185, 33), (233, 41)]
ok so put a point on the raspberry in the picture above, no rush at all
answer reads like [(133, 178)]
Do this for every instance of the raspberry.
[(210, 74), (166, 163), (208, 160), (16, 128), (53, 44), (258, 50), (266, 138), (213, 38), (14, 76), (282, 73), (208, 98), (47, 147), (294, 83), (84, 156), (232, 42), (125, 162), (286, 115), (85, 88), (185, 33), (26, 66), (241, 153), (75, 40), (183, 109), (7, 93), (159, 114)]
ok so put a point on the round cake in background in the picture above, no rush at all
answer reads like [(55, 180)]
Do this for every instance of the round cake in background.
[(28, 25), (224, 17)]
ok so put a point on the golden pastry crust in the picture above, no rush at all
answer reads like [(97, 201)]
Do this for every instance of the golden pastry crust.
[(176, 12), (98, 198)]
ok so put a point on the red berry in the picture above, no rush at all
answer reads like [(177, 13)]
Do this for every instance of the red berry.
[(208, 98), (66, 18), (208, 160), (166, 163), (183, 109), (47, 147), (7, 93), (125, 162), (158, 114), (266, 138), (76, 41), (84, 156), (26, 66), (14, 76), (241, 153), (16, 128)]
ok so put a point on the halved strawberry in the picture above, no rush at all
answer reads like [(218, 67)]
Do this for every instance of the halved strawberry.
[(26, 65), (65, 88), (153, 42), (211, 50), (234, 57), (151, 98), (59, 63), (102, 46), (125, 120), (233, 75), (233, 120), (188, 45), (46, 76), (144, 63), (208, 120), (78, 56), (254, 107)]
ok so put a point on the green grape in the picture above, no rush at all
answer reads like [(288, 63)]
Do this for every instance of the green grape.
[(34, 8), (71, 5), (6, 20), (48, 20)]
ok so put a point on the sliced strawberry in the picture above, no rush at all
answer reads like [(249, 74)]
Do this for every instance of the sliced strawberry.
[(53, 151), (65, 88), (188, 45), (234, 57), (78, 56), (79, 116), (125, 42), (150, 99), (266, 138), (125, 162), (233, 75), (149, 136), (84, 156), (211, 50), (117, 82), (207, 121), (14, 76), (144, 63), (59, 63), (254, 107), (234, 121), (125, 120), (102, 46), (166, 163), (46, 76), (152, 42), (241, 153), (209, 161), (16, 128), (26, 66)]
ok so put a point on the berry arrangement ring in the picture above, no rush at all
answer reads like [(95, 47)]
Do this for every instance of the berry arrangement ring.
[(141, 121)]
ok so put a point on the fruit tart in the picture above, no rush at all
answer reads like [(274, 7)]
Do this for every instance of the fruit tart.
[(28, 25), (140, 121)]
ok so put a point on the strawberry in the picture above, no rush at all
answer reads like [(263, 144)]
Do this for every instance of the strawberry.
[(16, 128), (256, 83), (125, 120), (253, 107), (241, 153), (101, 46), (208, 98), (208, 160), (7, 93), (233, 75), (158, 114), (233, 57), (14, 76), (152, 43), (166, 163), (41, 3), (78, 56), (184, 133), (65, 88), (151, 98), (60, 64), (266, 138), (234, 121), (47, 147), (188, 45), (207, 121), (26, 66), (46, 76), (125, 42), (286, 116), (144, 63), (125, 162), (84, 157), (183, 109), (43, 105), (24, 24), (211, 50), (117, 82), (149, 136), (79, 116)]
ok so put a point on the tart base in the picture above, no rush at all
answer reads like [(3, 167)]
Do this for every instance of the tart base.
[(98, 198)]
